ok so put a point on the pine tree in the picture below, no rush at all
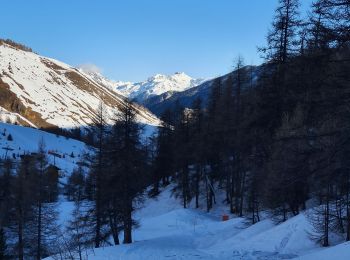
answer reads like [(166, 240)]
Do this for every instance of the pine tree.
[(97, 177), (213, 139), (164, 157), (197, 147), (129, 164), (76, 184), (45, 214), (23, 201), (282, 42), (6, 176), (330, 24), (78, 227)]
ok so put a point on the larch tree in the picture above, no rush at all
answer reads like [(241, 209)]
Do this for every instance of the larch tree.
[(129, 165)]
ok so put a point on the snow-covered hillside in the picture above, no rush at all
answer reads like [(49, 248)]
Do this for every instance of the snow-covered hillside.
[(25, 140), (49, 93), (167, 231)]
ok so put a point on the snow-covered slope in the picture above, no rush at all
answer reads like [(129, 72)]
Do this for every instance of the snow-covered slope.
[(25, 140), (168, 231), (340, 252), (49, 93)]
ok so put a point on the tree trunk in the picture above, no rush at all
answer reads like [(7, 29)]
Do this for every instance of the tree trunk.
[(20, 238), (114, 229), (326, 219), (232, 192), (38, 254), (128, 223), (347, 208), (286, 27), (207, 192), (184, 185), (242, 195), (197, 186)]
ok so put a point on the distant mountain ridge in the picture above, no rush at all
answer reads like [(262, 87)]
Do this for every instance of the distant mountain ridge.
[(161, 92), (154, 86), (157, 85), (158, 104)]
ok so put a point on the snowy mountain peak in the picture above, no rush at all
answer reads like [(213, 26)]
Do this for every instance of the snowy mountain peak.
[(157, 85), (178, 77), (153, 86)]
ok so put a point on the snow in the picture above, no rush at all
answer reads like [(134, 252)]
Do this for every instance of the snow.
[(43, 85), (153, 86), (158, 85), (338, 252), (26, 140), (65, 210), (99, 78), (167, 231)]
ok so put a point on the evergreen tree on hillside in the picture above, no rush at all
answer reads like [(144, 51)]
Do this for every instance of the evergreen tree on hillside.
[(330, 23), (97, 178), (23, 202), (75, 187), (282, 41), (44, 221), (129, 166), (163, 162), (6, 176), (78, 227), (214, 141), (197, 148)]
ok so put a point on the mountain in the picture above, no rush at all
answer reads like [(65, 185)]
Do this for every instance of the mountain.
[(161, 92), (42, 92), (154, 86), (158, 104), (157, 85)]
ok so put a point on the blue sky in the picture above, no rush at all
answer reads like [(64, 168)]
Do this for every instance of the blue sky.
[(131, 40)]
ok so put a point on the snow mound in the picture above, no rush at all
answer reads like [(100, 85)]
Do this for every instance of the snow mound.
[(338, 252)]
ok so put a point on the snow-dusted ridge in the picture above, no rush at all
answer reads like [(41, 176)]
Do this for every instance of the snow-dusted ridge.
[(50, 93), (158, 85), (153, 86)]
